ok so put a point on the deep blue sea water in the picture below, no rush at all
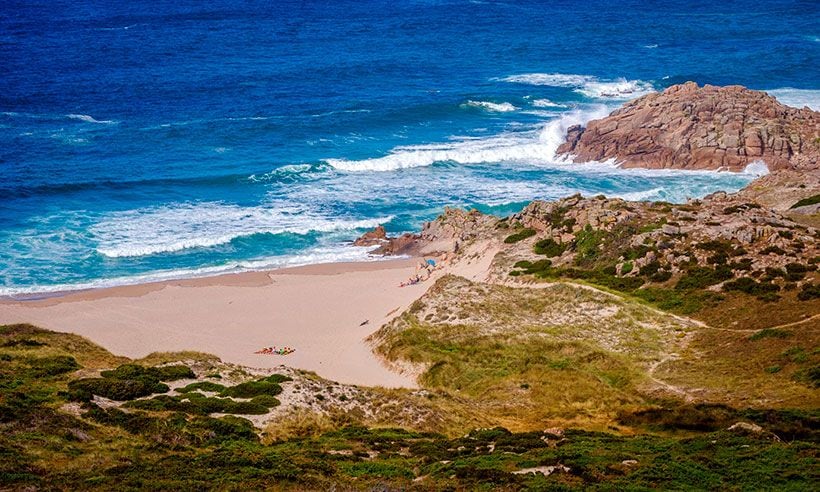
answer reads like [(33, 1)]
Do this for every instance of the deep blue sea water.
[(147, 140)]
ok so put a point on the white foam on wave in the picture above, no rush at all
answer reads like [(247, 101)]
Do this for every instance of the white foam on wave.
[(797, 98), (89, 119), (588, 85), (503, 107), (324, 254), (536, 146), (546, 103), (183, 226)]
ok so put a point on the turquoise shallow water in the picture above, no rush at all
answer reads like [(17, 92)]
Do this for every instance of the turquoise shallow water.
[(156, 141)]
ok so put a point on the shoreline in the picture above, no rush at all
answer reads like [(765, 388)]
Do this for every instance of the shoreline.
[(245, 277), (324, 311)]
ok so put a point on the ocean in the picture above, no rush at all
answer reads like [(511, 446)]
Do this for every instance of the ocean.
[(152, 140)]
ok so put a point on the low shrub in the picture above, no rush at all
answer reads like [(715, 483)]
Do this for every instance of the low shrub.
[(812, 200), (626, 268), (772, 250), (769, 333), (661, 276), (549, 248), (750, 286), (254, 388), (113, 389), (795, 271), (164, 373), (202, 386), (52, 366), (24, 343), (650, 268), (809, 292), (200, 405), (701, 277), (519, 236)]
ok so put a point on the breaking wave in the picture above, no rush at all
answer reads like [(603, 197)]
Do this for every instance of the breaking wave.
[(537, 146), (546, 103), (797, 97), (201, 225), (503, 107), (588, 85)]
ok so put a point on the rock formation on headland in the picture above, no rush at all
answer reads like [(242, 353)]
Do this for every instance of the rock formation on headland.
[(709, 127)]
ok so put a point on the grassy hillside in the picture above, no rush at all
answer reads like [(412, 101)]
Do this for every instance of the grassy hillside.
[(58, 433)]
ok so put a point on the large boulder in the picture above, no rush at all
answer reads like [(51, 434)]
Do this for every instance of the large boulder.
[(709, 127)]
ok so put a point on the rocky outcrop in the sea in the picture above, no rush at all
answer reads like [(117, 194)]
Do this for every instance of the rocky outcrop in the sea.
[(709, 127)]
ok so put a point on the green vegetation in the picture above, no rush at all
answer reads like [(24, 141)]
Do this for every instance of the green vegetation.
[(171, 443), (202, 386), (770, 333), (520, 236), (588, 244), (750, 286), (809, 291), (268, 386), (201, 405), (701, 277), (812, 200), (677, 301), (127, 382), (549, 247)]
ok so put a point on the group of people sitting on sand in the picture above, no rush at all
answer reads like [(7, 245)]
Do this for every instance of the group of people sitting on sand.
[(276, 351), (424, 269)]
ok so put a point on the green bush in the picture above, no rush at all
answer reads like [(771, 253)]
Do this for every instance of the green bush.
[(202, 386), (773, 250), (810, 376), (770, 333), (661, 276), (795, 271), (750, 286), (549, 247), (626, 268), (588, 244), (809, 292), (677, 301), (812, 200), (135, 371), (266, 401), (24, 343), (114, 389), (253, 388), (199, 405), (650, 268), (520, 236), (701, 277), (52, 366), (127, 382)]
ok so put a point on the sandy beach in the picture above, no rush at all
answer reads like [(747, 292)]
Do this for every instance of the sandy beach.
[(319, 310)]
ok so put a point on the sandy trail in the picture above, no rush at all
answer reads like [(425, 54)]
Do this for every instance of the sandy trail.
[(316, 309)]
